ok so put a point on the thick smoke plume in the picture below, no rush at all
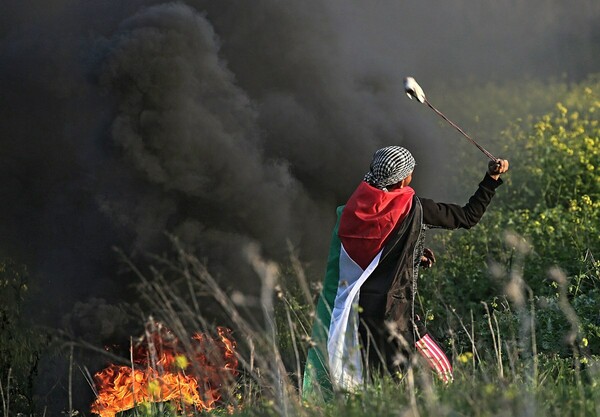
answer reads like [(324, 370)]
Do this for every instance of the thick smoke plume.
[(228, 123)]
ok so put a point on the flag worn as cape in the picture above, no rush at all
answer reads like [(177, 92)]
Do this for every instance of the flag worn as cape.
[(358, 239)]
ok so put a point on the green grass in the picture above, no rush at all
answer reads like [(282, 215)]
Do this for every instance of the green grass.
[(524, 335)]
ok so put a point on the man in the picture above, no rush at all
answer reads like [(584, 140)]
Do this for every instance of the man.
[(366, 312)]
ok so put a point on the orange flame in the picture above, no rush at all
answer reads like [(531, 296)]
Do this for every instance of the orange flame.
[(161, 372)]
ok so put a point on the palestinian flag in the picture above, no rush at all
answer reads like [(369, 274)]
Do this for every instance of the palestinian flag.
[(362, 230), (363, 227)]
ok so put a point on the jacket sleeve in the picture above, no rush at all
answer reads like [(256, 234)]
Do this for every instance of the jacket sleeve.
[(453, 216)]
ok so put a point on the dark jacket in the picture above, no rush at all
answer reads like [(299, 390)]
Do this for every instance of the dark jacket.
[(388, 295)]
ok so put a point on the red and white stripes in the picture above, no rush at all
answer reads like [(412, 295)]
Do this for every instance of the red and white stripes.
[(436, 358)]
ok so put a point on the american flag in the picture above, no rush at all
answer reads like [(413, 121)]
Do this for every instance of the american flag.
[(436, 358)]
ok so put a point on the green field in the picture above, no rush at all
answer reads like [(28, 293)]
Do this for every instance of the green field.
[(515, 301)]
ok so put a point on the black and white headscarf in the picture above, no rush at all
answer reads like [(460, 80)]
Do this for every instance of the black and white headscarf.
[(390, 165)]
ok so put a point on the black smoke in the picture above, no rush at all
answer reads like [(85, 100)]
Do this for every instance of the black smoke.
[(229, 122)]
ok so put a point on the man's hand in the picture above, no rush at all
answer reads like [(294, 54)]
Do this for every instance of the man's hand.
[(428, 258), (495, 168)]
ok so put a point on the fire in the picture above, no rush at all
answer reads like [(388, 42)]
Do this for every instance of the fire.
[(191, 375)]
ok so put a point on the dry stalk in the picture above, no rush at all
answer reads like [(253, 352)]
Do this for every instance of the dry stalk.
[(500, 363), (295, 346), (413, 397), (471, 337), (515, 290), (495, 339), (71, 411), (269, 274), (88, 378), (6, 394), (299, 274), (561, 279), (533, 338)]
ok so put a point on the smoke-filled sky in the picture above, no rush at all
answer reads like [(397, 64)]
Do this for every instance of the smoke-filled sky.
[(230, 122)]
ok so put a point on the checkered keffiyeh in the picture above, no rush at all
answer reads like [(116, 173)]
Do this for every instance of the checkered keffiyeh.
[(390, 165)]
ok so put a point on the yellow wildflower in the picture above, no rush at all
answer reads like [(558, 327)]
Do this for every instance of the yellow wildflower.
[(586, 200), (465, 357), (181, 361), (561, 108)]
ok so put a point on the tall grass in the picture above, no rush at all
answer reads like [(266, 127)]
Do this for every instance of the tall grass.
[(503, 374), (521, 342), (520, 353)]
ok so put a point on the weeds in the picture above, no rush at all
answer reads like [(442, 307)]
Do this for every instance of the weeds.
[(502, 374), (524, 339)]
